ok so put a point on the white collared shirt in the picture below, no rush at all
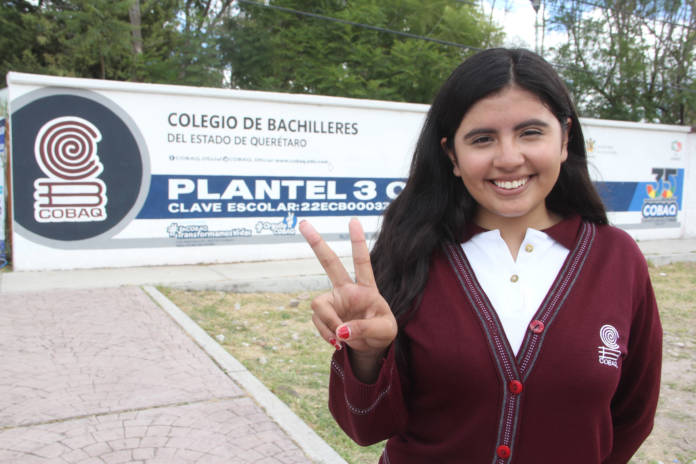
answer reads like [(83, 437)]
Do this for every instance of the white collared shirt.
[(516, 289)]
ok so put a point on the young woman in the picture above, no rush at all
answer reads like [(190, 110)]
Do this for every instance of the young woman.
[(498, 319)]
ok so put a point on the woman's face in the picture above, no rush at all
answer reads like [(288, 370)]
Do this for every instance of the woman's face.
[(508, 151)]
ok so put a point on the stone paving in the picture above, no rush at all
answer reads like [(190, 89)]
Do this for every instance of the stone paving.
[(105, 376)]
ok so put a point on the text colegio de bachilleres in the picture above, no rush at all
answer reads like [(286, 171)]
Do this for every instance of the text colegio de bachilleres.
[(231, 122)]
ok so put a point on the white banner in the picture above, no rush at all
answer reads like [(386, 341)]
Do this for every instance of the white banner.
[(640, 172), (120, 174), (184, 175)]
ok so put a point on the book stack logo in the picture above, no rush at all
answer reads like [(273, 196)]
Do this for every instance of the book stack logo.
[(66, 151)]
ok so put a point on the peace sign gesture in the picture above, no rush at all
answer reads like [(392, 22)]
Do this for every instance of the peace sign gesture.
[(353, 312)]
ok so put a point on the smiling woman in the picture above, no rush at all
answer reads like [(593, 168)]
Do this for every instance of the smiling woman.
[(508, 151), (498, 319)]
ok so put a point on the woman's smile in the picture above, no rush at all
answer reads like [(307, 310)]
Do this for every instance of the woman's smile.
[(510, 184)]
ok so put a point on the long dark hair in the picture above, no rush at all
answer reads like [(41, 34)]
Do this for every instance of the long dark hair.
[(434, 207)]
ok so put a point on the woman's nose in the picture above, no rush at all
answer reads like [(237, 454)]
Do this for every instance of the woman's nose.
[(509, 155)]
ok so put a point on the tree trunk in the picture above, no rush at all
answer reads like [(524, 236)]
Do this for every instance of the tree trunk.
[(134, 16)]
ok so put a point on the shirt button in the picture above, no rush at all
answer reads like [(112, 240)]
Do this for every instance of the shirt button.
[(503, 451), (515, 387), (514, 278), (529, 248), (536, 327)]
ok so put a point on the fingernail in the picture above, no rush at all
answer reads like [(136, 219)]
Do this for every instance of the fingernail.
[(336, 344), (343, 332)]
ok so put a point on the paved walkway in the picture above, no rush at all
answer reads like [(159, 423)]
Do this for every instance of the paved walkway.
[(98, 367), (106, 375)]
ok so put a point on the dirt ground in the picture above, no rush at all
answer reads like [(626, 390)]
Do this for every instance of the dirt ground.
[(673, 439)]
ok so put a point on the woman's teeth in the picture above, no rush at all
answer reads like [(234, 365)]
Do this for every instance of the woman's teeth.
[(510, 184)]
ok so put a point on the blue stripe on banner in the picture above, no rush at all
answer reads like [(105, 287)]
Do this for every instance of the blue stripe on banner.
[(186, 196), (617, 196), (180, 197)]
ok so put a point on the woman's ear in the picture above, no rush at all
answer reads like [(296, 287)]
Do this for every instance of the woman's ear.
[(566, 135), (450, 155)]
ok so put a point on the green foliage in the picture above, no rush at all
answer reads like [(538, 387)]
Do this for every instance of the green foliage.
[(77, 38), (270, 49), (630, 60), (627, 60), (23, 36), (94, 38)]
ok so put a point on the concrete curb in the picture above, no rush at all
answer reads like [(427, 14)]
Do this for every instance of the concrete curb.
[(316, 448), (665, 259), (305, 283)]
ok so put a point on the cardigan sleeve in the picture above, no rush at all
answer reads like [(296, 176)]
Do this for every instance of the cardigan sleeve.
[(636, 397), (368, 413)]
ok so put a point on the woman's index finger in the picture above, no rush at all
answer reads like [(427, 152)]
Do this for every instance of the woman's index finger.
[(361, 255), (326, 256)]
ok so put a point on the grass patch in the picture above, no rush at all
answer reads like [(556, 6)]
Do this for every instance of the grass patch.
[(273, 336)]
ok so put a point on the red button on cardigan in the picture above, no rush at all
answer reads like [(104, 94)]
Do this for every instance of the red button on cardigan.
[(536, 326), (503, 451), (515, 387)]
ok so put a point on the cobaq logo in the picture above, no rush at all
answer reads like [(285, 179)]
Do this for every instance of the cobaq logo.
[(66, 151), (79, 167), (661, 203)]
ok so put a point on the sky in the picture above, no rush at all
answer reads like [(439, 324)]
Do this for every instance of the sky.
[(517, 17)]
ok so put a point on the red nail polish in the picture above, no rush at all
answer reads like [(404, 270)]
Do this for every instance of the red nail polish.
[(343, 332), (336, 344)]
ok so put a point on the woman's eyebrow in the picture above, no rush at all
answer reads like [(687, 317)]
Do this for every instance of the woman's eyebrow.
[(479, 131), (531, 122)]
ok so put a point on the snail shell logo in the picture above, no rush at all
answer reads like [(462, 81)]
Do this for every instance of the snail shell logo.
[(80, 168), (609, 352), (66, 151)]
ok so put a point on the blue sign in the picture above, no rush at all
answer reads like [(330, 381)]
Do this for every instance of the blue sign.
[(173, 196)]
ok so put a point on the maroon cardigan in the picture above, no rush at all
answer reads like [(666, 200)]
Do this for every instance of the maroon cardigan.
[(583, 388)]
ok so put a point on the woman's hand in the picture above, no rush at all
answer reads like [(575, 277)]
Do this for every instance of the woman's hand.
[(353, 312)]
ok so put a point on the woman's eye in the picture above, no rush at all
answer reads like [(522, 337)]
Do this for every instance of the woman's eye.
[(481, 139), (531, 132)]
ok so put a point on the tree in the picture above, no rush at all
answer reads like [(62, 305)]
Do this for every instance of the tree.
[(318, 47), (195, 56), (629, 60), (359, 48), (134, 15), (168, 41), (86, 38), (95, 37), (24, 39)]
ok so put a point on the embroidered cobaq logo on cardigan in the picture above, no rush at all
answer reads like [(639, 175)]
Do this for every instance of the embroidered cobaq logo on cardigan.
[(609, 353)]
